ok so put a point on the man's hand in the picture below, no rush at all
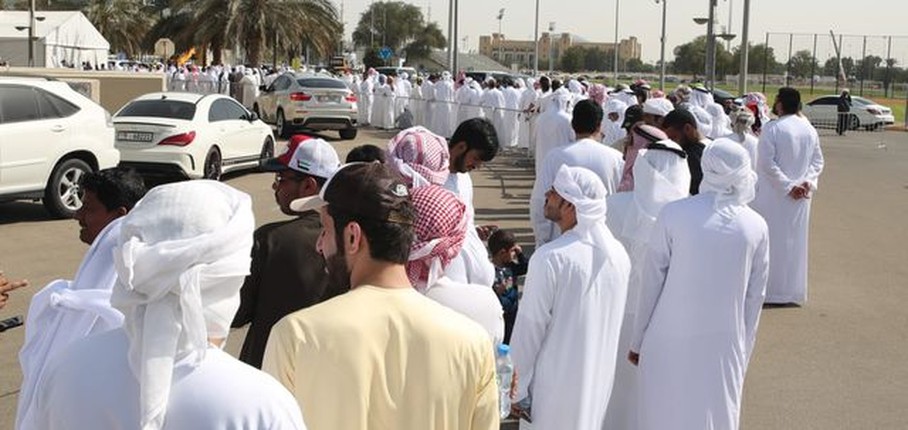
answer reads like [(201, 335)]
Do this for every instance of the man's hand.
[(633, 357), (6, 286), (484, 231), (799, 192)]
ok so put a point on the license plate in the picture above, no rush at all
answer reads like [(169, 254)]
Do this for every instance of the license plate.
[(135, 136), (328, 99)]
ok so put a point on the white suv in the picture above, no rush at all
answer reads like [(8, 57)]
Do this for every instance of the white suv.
[(51, 137), (306, 101)]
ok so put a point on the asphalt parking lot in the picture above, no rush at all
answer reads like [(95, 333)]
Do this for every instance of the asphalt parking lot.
[(837, 363)]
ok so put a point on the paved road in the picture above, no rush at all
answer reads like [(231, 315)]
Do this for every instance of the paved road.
[(837, 363)]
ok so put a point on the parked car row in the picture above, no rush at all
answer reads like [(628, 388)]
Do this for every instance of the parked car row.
[(53, 135)]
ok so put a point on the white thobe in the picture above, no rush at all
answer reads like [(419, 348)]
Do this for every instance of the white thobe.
[(749, 142), (250, 90), (443, 114), (789, 154), (472, 265), (492, 102), (464, 98), (404, 92), (553, 129), (67, 311), (475, 101), (704, 279), (92, 387), (383, 117), (605, 162), (526, 135), (565, 339), (510, 117), (428, 94), (367, 97), (418, 106), (477, 302)]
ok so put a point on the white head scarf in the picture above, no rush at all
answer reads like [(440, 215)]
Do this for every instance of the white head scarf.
[(583, 189), (660, 177), (727, 174), (616, 106), (183, 253)]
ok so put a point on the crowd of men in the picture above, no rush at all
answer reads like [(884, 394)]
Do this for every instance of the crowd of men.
[(662, 225)]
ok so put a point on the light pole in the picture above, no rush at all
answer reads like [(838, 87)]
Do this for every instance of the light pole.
[(31, 31), (500, 36), (551, 46), (745, 49), (617, 5), (710, 43), (536, 38), (662, 49)]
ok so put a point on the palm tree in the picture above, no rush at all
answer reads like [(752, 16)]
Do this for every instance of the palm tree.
[(252, 23), (122, 22)]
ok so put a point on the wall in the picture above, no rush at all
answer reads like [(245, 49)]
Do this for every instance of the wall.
[(111, 89)]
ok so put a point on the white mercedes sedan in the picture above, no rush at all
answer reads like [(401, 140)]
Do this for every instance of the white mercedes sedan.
[(190, 136)]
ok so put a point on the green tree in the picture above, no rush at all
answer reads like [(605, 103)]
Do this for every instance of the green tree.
[(399, 26), (756, 55), (572, 59), (691, 56), (597, 60), (122, 22), (802, 64), (831, 66), (867, 66)]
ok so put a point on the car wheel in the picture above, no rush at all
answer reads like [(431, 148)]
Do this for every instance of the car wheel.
[(62, 197), (267, 151), (212, 165), (348, 134), (853, 122), (283, 130)]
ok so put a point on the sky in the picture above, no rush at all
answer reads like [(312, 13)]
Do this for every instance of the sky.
[(594, 20)]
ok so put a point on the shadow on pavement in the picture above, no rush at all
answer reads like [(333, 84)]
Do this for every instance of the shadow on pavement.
[(23, 211)]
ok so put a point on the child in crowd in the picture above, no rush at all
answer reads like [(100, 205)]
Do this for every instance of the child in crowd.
[(510, 263)]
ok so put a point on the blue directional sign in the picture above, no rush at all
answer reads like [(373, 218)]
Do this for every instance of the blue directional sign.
[(385, 53)]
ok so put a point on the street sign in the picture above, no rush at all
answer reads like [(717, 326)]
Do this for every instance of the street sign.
[(163, 48), (385, 53)]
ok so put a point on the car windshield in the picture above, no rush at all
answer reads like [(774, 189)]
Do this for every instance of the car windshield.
[(160, 109), (321, 83)]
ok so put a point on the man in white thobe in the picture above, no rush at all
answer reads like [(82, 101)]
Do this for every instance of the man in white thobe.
[(367, 97), (428, 95), (443, 114), (462, 97), (181, 258), (474, 143), (661, 176), (529, 111), (440, 230), (695, 100), (64, 311), (585, 152), (703, 283), (493, 104), (475, 107), (553, 128), (510, 121), (613, 134), (789, 167), (565, 339)]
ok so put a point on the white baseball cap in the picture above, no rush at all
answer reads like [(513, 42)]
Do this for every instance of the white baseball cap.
[(307, 155)]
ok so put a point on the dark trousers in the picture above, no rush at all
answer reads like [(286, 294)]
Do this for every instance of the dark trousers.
[(842, 123)]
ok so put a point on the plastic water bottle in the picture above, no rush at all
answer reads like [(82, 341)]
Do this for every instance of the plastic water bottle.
[(505, 369)]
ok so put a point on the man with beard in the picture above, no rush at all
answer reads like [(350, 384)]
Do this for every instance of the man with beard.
[(66, 311), (474, 142), (382, 355), (680, 126), (287, 272)]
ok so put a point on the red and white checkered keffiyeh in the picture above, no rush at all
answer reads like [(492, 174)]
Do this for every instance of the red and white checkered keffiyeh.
[(441, 225), (420, 156)]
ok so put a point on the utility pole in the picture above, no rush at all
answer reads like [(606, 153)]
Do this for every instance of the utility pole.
[(31, 33), (745, 50), (711, 45), (536, 38), (617, 9)]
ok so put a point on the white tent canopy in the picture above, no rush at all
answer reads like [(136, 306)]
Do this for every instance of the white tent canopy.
[(61, 35)]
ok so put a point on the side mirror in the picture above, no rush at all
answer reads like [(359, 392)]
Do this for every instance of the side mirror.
[(252, 117)]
